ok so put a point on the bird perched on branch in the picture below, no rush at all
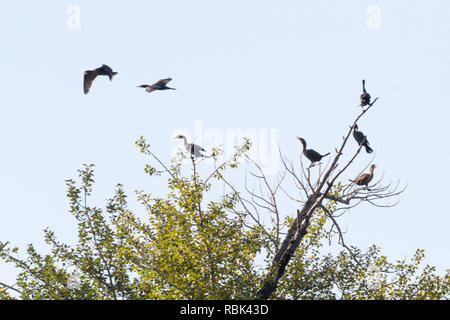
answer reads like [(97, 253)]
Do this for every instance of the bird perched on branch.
[(361, 139), (90, 75), (160, 85), (193, 149), (365, 178), (365, 97), (312, 155)]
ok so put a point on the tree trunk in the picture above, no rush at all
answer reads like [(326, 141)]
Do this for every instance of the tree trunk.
[(292, 240)]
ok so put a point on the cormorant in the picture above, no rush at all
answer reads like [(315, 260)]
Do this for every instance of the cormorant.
[(312, 155), (361, 139), (90, 75), (365, 178), (160, 85), (193, 149), (365, 97)]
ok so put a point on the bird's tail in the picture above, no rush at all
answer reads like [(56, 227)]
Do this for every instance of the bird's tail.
[(368, 149), (112, 75), (364, 86), (325, 154)]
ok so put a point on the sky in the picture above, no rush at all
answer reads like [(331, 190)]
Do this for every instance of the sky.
[(275, 69)]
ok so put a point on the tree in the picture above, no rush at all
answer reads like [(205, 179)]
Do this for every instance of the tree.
[(207, 239)]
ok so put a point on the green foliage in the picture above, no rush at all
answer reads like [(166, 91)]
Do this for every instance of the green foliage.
[(188, 247), (354, 274)]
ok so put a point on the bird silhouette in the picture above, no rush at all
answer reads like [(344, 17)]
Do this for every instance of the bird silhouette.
[(311, 154), (365, 97), (160, 85), (361, 139), (365, 178), (90, 75), (193, 149)]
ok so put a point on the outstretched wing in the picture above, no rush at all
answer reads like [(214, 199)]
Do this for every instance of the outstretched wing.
[(105, 70), (163, 82), (89, 77)]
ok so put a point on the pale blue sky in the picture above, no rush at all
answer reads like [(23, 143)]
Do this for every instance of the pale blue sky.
[(288, 65)]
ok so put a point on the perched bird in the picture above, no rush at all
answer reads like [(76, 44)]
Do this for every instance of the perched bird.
[(365, 178), (160, 85), (365, 97), (312, 155), (90, 75), (193, 149), (361, 139)]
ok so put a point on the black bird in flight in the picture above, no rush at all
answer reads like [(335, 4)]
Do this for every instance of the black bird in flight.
[(90, 75), (160, 85), (365, 97), (361, 139), (311, 154)]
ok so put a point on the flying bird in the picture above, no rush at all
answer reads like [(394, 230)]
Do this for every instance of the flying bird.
[(193, 149), (311, 154), (361, 139), (90, 75), (160, 85), (365, 178), (365, 97)]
